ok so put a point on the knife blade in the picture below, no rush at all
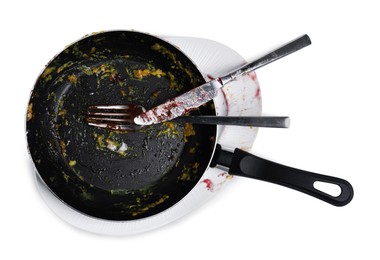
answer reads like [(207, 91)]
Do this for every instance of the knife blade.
[(198, 96), (178, 106)]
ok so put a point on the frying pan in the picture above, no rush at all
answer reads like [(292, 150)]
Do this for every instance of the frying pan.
[(127, 176)]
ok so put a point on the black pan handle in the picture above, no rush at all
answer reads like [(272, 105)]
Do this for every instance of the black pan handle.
[(244, 164)]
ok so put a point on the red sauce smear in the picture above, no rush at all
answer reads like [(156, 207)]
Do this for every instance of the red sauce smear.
[(252, 75), (225, 98), (210, 77), (209, 184), (258, 92)]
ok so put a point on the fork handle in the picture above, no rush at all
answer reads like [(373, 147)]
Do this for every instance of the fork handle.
[(279, 53), (262, 121)]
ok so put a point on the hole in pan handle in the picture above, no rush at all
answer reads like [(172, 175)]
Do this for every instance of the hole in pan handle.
[(244, 164)]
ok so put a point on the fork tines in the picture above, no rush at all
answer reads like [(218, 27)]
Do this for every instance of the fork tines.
[(116, 117)]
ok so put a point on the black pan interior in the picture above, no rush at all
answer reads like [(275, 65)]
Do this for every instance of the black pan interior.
[(110, 174)]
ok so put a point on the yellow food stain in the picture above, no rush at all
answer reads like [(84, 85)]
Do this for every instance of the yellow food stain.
[(155, 94), (104, 69), (63, 147), (170, 125), (189, 172), (29, 114), (47, 72), (99, 141), (62, 112), (123, 93), (188, 131), (170, 130), (173, 83), (64, 66), (164, 51), (171, 55), (195, 166), (73, 79), (95, 33), (185, 176), (139, 74), (72, 163), (150, 206)]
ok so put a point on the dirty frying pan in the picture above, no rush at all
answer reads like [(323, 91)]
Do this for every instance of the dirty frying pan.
[(119, 175)]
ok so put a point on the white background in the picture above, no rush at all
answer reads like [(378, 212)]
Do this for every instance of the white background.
[(330, 91)]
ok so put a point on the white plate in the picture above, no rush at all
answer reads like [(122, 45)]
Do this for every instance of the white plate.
[(241, 97)]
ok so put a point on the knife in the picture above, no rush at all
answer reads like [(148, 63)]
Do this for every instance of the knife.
[(198, 96)]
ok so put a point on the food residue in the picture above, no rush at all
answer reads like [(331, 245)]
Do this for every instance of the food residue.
[(172, 56), (151, 205), (189, 172), (63, 148), (72, 163), (169, 131), (173, 83), (105, 71), (72, 79), (111, 143), (30, 112), (164, 51), (123, 93), (139, 74), (155, 95), (47, 73), (64, 66), (189, 131)]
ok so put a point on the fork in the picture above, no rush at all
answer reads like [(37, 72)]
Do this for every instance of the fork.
[(121, 117)]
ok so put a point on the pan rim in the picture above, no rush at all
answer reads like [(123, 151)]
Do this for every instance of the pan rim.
[(146, 220), (26, 120)]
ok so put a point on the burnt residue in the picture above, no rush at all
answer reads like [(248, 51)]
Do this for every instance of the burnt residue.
[(114, 174)]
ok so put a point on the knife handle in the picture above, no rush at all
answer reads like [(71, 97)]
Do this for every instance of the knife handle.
[(283, 51), (256, 121)]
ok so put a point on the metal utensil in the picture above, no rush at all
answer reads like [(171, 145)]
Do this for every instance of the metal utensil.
[(196, 97), (120, 117)]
